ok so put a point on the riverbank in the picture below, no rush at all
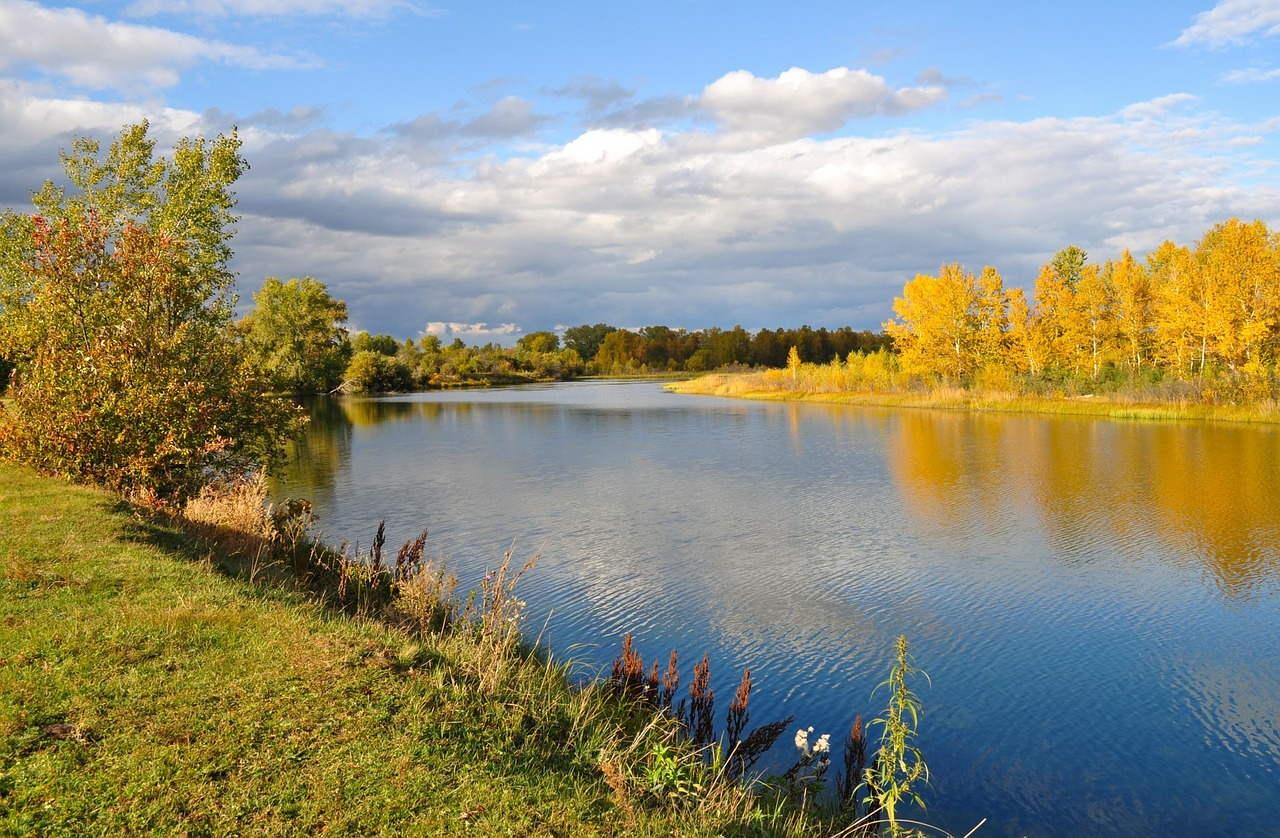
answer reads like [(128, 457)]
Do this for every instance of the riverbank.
[(775, 385), (151, 683)]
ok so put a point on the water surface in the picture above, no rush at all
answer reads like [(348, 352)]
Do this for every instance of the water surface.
[(1096, 602)]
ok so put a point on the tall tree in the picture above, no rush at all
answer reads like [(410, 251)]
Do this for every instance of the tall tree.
[(586, 340), (992, 315), (1028, 344), (1240, 268), (1179, 299), (936, 329), (296, 333), (1133, 307)]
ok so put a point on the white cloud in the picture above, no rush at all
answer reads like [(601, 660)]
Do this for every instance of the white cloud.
[(681, 228), (472, 332), (799, 103), (1157, 107), (278, 8), (685, 227), (94, 53), (1232, 22), (1251, 75)]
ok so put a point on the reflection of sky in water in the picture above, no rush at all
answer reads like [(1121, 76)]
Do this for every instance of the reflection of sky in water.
[(1095, 602)]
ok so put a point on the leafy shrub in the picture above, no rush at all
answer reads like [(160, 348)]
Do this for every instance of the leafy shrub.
[(115, 309)]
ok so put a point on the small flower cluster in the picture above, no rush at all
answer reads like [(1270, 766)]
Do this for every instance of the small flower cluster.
[(813, 760)]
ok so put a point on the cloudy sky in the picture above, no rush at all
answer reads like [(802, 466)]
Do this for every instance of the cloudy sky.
[(486, 169)]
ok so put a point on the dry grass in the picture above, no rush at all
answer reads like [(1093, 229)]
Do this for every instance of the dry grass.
[(884, 387)]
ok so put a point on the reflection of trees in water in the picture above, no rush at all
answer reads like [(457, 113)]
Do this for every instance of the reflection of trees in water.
[(1102, 489), (1220, 491), (363, 413), (315, 458)]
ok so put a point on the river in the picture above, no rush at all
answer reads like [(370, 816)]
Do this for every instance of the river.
[(1096, 603)]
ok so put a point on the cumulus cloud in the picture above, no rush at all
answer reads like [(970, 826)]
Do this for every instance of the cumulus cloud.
[(674, 227), (472, 332), (798, 103), (683, 226), (1232, 22), (94, 53)]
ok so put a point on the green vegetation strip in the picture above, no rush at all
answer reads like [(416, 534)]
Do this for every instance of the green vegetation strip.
[(142, 691)]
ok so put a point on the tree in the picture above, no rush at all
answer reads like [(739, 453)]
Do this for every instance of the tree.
[(382, 344), (937, 327), (586, 340), (539, 342), (1239, 267), (992, 313), (617, 352), (1068, 265), (296, 334), (376, 372), (115, 308), (1027, 341), (1133, 307)]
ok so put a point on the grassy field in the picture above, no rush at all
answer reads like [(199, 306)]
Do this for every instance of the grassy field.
[(147, 687), (776, 385)]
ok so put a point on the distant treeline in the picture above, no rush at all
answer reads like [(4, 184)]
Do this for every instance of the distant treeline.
[(296, 334)]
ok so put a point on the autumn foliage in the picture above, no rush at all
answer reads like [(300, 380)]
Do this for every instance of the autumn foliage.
[(1209, 314), (115, 309)]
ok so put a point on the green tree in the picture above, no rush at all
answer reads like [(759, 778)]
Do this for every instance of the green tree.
[(375, 372), (115, 308), (296, 334), (1068, 265), (586, 340), (539, 342), (382, 344)]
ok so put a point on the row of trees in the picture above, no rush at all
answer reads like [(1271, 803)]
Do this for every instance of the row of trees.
[(296, 334), (1202, 312)]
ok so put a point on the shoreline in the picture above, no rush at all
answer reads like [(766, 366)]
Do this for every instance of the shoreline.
[(724, 385)]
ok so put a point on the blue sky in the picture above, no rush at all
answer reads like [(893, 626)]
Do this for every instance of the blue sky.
[(488, 169)]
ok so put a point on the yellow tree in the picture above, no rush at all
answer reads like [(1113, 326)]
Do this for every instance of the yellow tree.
[(1239, 266), (1179, 301), (1092, 316), (1027, 343), (1132, 301), (936, 329), (1054, 302), (992, 312)]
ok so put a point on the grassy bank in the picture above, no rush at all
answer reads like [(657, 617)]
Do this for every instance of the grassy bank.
[(147, 686), (779, 385)]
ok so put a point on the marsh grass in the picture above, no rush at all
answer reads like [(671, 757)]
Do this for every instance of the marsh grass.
[(872, 380)]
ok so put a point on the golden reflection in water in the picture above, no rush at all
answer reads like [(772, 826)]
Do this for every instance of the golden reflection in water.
[(1195, 493)]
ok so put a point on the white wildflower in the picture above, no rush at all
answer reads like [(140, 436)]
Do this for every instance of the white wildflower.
[(823, 745), (802, 741)]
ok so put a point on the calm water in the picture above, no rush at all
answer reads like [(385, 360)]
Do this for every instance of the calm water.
[(1096, 603)]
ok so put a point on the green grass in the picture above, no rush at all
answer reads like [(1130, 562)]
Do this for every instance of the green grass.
[(145, 689)]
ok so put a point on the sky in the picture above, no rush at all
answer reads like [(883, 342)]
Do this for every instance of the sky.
[(488, 169)]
